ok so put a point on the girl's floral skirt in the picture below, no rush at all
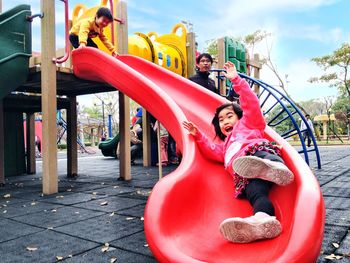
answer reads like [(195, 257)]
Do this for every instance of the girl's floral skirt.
[(270, 147)]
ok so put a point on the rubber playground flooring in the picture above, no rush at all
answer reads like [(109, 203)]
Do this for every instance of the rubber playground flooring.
[(96, 218)]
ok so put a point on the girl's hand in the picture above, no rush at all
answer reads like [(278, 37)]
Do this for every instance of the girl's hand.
[(115, 54), (82, 45), (191, 127), (231, 71)]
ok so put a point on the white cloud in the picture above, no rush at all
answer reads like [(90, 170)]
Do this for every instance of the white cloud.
[(299, 71)]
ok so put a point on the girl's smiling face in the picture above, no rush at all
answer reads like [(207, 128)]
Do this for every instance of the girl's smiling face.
[(227, 120)]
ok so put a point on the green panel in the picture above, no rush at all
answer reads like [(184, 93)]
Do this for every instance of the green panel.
[(243, 67), (241, 56), (236, 62), (15, 48), (231, 52), (14, 144)]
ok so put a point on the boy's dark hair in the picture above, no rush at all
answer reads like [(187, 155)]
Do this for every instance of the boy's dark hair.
[(235, 107), (104, 11), (206, 55)]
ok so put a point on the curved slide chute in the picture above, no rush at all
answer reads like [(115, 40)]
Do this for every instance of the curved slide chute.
[(186, 207)]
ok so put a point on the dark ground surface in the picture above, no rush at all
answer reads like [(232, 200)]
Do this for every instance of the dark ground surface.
[(96, 208)]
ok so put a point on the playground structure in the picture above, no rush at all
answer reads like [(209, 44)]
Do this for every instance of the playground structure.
[(175, 232)]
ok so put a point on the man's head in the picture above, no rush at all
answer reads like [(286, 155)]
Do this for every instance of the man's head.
[(307, 116), (204, 62), (103, 17)]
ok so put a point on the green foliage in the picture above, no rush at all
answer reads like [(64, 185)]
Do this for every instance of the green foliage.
[(340, 60), (94, 112), (314, 107), (285, 125), (254, 38), (212, 47)]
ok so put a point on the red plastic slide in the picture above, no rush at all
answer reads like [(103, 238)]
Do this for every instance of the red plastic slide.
[(185, 209)]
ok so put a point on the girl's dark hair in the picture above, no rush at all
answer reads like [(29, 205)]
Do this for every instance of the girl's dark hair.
[(206, 55), (235, 107), (104, 11)]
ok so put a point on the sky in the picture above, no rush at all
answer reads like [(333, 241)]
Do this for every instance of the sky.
[(300, 30)]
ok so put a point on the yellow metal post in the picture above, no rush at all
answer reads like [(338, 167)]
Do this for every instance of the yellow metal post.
[(49, 104)]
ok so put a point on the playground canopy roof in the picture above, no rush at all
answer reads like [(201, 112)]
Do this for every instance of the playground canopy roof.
[(324, 117)]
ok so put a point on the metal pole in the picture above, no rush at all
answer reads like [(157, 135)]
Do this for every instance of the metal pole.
[(110, 126), (103, 115)]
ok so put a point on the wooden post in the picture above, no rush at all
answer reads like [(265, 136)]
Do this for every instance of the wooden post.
[(49, 103), (72, 147), (146, 138), (256, 73), (124, 101), (92, 137), (191, 54), (2, 144), (30, 133), (221, 62)]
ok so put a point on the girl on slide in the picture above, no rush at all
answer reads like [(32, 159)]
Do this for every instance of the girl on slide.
[(253, 161)]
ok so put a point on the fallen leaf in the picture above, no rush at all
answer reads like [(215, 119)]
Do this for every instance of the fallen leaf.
[(142, 219), (50, 228), (7, 195), (94, 193), (333, 257), (112, 214), (102, 183), (104, 203), (32, 249), (112, 260), (69, 190), (336, 245), (77, 212), (129, 218), (60, 196), (70, 256), (116, 186), (33, 203), (5, 211), (105, 247), (54, 210), (59, 258), (145, 245)]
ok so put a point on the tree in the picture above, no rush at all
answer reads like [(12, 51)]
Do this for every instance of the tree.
[(339, 59), (251, 40), (212, 47), (314, 106), (341, 109), (336, 67), (254, 38)]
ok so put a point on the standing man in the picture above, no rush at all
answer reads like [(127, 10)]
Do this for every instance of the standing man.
[(306, 132)]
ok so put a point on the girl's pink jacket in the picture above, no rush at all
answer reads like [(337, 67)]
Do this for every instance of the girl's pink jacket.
[(248, 131)]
